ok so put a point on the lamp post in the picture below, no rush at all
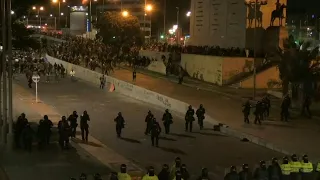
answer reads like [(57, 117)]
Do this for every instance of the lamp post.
[(59, 10), (38, 13), (125, 13), (55, 21), (66, 25), (148, 9)]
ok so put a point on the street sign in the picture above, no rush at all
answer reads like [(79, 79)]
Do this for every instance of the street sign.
[(36, 79)]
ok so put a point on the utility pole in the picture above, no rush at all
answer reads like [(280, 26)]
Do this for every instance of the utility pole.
[(164, 17), (10, 78), (254, 49), (3, 59)]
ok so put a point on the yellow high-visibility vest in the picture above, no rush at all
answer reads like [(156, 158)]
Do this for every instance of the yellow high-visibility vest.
[(318, 167), (285, 169), (124, 176), (147, 177), (295, 166), (306, 167)]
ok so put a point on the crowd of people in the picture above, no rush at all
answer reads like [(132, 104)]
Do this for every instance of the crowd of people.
[(201, 50)]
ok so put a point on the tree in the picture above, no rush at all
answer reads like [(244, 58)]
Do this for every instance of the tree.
[(298, 64), (119, 31)]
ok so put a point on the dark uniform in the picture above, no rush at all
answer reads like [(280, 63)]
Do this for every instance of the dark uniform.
[(306, 168), (274, 170), (134, 75), (64, 133), (246, 111), (257, 113), (167, 121), (184, 172), (21, 123), (84, 126), (204, 174), (200, 114), (27, 137), (189, 118), (73, 119), (266, 101), (119, 124), (306, 106), (149, 122), (164, 173), (47, 126), (102, 82), (155, 132), (245, 173), (232, 175), (261, 173), (286, 103)]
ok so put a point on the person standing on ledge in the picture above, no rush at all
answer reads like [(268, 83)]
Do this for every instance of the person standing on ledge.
[(134, 75)]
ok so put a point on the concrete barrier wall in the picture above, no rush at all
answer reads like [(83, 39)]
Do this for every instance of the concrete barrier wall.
[(154, 54), (205, 68), (129, 89), (157, 66)]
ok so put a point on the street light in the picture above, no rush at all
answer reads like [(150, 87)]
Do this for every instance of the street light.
[(55, 21), (38, 13), (188, 14), (125, 13), (149, 7), (12, 12), (66, 25), (59, 9)]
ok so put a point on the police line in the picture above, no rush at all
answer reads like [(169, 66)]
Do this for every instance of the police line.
[(157, 99)]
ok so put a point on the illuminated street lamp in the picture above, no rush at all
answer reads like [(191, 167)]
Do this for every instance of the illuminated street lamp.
[(55, 21), (38, 12), (125, 13), (188, 14), (59, 9), (149, 7)]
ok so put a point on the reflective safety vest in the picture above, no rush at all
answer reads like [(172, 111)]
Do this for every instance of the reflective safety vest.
[(124, 176), (318, 167), (306, 167), (147, 177), (295, 166), (285, 169)]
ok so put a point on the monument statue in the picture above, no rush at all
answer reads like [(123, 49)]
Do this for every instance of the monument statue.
[(277, 13), (254, 11)]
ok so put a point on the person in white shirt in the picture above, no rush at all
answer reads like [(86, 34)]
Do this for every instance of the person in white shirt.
[(72, 74)]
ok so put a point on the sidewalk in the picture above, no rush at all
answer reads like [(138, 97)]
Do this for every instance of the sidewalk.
[(296, 136), (53, 163)]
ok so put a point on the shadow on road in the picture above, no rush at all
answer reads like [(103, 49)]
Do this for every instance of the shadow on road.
[(167, 139), (182, 135), (76, 140), (279, 125), (209, 134), (173, 150), (131, 140)]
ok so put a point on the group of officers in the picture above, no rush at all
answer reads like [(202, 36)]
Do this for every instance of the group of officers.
[(289, 169), (153, 127), (177, 171), (24, 133)]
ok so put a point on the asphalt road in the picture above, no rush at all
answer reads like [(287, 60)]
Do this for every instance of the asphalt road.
[(198, 149)]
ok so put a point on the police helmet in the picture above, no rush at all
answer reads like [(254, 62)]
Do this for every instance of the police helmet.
[(274, 160), (23, 115), (201, 105), (74, 112), (178, 173), (233, 169), (305, 157), (183, 166), (294, 157), (97, 176), (85, 112), (83, 176), (64, 118), (245, 166), (165, 166), (190, 107), (45, 117), (167, 110), (151, 171), (123, 166), (178, 159), (149, 112), (262, 163), (119, 113)]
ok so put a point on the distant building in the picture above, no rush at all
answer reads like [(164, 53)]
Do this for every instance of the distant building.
[(134, 7)]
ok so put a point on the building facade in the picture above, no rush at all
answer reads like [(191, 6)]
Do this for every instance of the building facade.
[(134, 7), (231, 23)]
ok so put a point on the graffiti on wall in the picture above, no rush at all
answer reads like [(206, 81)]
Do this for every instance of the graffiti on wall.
[(164, 101)]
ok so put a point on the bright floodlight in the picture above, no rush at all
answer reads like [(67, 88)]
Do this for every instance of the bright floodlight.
[(12, 12), (149, 7), (188, 14), (55, 1), (63, 1), (61, 14), (34, 8), (125, 13), (51, 15), (41, 8)]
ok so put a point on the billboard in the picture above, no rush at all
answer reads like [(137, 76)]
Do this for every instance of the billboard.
[(78, 22)]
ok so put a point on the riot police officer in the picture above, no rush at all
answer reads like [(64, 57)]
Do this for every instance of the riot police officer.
[(204, 174), (47, 125), (307, 168), (155, 132), (84, 126), (114, 176), (257, 113), (64, 132), (27, 137), (266, 101), (119, 124), (21, 123), (150, 175), (261, 172), (285, 169), (167, 121), (286, 103), (83, 176), (184, 172), (245, 173), (246, 111), (178, 175), (73, 119), (200, 114), (274, 170), (97, 176), (232, 175), (295, 168), (175, 167), (149, 122), (189, 118), (164, 173), (123, 175)]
